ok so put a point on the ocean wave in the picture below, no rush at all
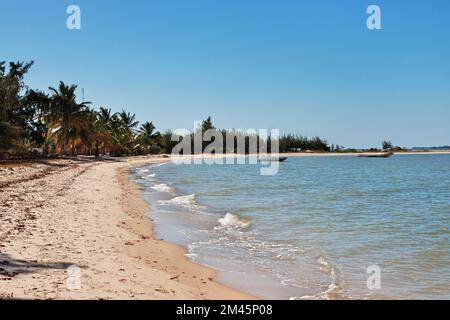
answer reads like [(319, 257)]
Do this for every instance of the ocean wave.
[(151, 175), (335, 284), (292, 283), (160, 164), (162, 187), (185, 201), (232, 221), (143, 170), (333, 288)]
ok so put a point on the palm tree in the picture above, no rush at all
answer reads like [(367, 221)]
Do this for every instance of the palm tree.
[(121, 141), (123, 132), (68, 117), (148, 137), (84, 132), (12, 122), (105, 116), (30, 120), (128, 120), (147, 130), (104, 124)]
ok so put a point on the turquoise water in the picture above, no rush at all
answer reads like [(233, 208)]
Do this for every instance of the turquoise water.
[(314, 229)]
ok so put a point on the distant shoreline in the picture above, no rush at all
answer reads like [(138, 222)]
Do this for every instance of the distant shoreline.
[(315, 154), (19, 160)]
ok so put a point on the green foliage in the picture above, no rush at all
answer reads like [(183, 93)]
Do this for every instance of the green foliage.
[(287, 143), (17, 109), (149, 138), (58, 122), (387, 145), (290, 142), (70, 120), (207, 125), (166, 143)]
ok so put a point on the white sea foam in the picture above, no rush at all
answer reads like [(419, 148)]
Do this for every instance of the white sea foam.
[(185, 201), (160, 164), (232, 221), (291, 283), (191, 255), (152, 175), (333, 275), (333, 287), (162, 187), (143, 170)]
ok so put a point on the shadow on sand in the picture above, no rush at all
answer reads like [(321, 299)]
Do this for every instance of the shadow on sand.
[(10, 267)]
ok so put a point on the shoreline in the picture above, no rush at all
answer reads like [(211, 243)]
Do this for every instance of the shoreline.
[(184, 191), (176, 253), (335, 154), (59, 213), (88, 214)]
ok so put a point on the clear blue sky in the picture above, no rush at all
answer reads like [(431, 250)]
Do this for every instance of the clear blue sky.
[(309, 67)]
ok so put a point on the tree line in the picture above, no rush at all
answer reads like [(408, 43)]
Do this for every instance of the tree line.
[(241, 141), (57, 123)]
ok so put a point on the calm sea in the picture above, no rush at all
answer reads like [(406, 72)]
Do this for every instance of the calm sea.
[(321, 228)]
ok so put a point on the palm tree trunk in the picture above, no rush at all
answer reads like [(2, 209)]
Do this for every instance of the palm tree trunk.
[(97, 148), (64, 143)]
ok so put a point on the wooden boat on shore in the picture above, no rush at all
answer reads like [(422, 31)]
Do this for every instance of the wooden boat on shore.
[(376, 155), (272, 159)]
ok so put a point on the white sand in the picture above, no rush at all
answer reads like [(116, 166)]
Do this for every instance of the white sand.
[(88, 214)]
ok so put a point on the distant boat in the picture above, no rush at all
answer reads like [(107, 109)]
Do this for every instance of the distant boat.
[(272, 159), (376, 155)]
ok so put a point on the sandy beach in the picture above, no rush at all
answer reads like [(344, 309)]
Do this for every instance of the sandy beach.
[(62, 213)]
